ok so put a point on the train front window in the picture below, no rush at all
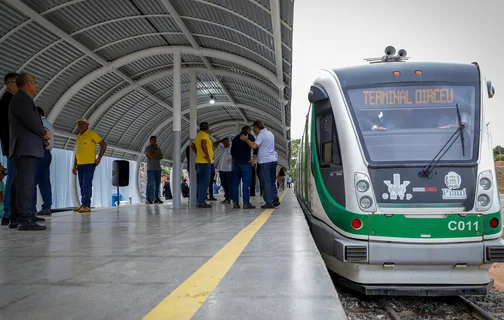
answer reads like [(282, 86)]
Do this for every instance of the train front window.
[(411, 123)]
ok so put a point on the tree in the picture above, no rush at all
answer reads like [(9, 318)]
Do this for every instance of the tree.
[(294, 155), (497, 151)]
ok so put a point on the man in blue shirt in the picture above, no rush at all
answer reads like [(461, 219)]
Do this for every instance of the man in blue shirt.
[(242, 168), (268, 160), (43, 175)]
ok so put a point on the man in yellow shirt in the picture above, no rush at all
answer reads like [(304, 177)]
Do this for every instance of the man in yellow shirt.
[(202, 147), (86, 161)]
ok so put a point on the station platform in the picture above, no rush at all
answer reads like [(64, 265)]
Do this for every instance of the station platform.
[(151, 262)]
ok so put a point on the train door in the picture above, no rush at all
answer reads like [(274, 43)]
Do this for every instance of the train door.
[(328, 151)]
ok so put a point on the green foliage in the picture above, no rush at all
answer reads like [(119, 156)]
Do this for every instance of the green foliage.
[(166, 170), (498, 151), (294, 155)]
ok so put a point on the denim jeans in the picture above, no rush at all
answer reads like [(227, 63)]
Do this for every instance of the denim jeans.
[(202, 180), (268, 180), (153, 182), (241, 172), (226, 181), (43, 180), (85, 173), (7, 191)]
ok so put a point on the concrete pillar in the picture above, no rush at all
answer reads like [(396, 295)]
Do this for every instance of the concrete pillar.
[(177, 126), (73, 183), (193, 114)]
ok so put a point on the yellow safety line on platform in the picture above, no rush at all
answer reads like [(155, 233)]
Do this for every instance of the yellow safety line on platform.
[(186, 300)]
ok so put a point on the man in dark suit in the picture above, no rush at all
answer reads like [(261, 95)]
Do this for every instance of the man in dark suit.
[(26, 147), (10, 83)]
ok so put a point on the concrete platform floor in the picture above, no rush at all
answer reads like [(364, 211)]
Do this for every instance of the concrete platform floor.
[(122, 265)]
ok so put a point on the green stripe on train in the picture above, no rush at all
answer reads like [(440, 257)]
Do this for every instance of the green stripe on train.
[(397, 225)]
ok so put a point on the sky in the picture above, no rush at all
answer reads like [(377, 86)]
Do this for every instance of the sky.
[(337, 33)]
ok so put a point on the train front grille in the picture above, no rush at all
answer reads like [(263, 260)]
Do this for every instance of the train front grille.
[(356, 253), (495, 254)]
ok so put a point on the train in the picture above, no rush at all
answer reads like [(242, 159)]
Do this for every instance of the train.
[(396, 177)]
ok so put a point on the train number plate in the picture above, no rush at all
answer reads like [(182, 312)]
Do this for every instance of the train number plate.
[(464, 226)]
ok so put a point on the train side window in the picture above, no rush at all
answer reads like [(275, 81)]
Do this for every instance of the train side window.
[(327, 141)]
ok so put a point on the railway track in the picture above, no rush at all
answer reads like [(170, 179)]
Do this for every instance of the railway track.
[(473, 310)]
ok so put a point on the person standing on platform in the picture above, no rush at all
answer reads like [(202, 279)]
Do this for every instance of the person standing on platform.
[(167, 189), (212, 181), (86, 162), (154, 156), (12, 89), (26, 148), (242, 168), (202, 147), (281, 179), (268, 160), (289, 181), (43, 176), (225, 167)]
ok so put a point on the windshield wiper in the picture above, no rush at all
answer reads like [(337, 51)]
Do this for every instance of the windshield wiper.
[(460, 130)]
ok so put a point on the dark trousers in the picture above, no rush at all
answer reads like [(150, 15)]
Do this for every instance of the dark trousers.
[(241, 172), (202, 180), (43, 181), (8, 184), (210, 186), (253, 182), (226, 178), (25, 169), (268, 179), (86, 173)]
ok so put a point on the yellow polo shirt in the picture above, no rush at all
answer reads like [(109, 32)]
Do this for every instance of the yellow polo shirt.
[(200, 156), (86, 147)]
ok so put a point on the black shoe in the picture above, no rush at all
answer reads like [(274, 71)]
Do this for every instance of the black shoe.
[(44, 212), (30, 225), (248, 206), (236, 205), (148, 202), (13, 225), (158, 201), (205, 205), (212, 199), (5, 221), (268, 206), (36, 219)]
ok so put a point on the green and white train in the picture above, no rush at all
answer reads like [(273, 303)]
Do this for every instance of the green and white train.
[(397, 180)]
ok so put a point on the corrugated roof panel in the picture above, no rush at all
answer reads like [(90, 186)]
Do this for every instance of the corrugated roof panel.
[(226, 65), (146, 131), (286, 36), (245, 86), (222, 31), (198, 9), (10, 18), (164, 24), (86, 13), (51, 95), (41, 6), (151, 7), (246, 9), (22, 45), (78, 105), (111, 32), (287, 11), (139, 66), (130, 46), (266, 60), (287, 54)]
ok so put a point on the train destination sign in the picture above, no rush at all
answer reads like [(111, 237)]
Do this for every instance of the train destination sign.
[(412, 96), (388, 96)]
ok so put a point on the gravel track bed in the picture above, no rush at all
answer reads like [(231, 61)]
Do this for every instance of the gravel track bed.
[(361, 307)]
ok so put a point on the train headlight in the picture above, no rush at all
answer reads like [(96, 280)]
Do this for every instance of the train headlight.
[(485, 183), (362, 186), (483, 200), (366, 202)]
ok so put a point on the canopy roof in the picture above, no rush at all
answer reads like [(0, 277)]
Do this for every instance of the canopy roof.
[(111, 61)]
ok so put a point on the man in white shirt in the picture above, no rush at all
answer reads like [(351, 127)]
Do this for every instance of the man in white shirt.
[(225, 167), (267, 158)]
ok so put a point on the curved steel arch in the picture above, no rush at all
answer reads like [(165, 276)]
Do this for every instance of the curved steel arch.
[(138, 55), (163, 74)]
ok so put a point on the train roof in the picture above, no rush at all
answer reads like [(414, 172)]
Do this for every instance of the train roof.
[(383, 73)]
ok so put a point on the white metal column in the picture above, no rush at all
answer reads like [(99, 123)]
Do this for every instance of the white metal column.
[(137, 179), (177, 124), (193, 114)]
